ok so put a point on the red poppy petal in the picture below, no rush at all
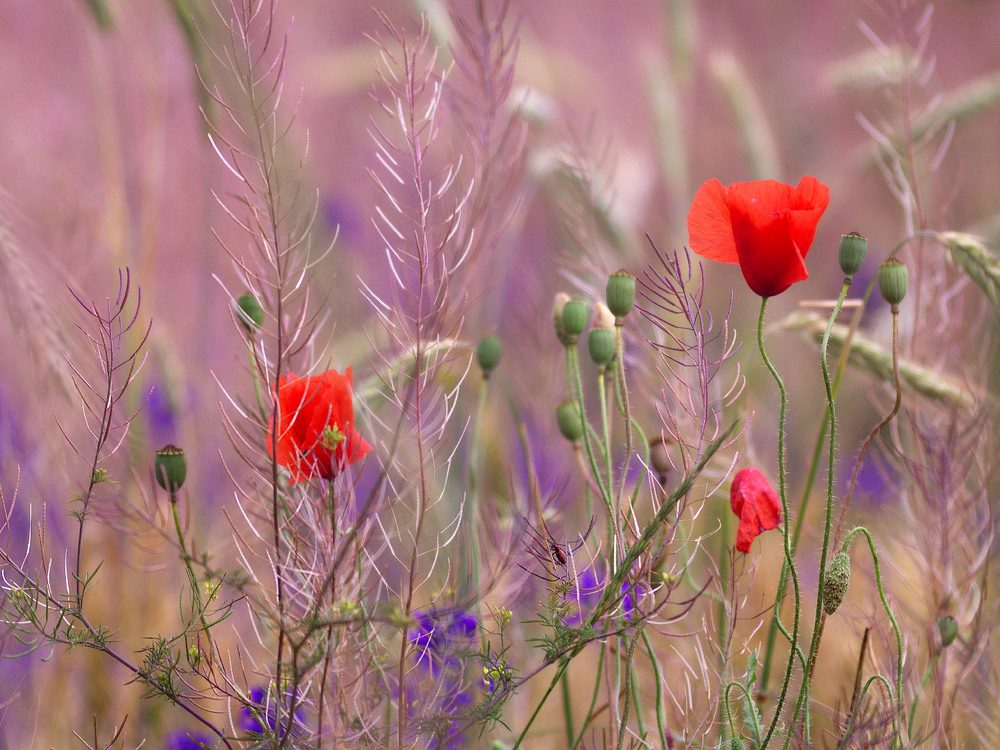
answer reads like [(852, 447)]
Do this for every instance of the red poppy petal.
[(710, 229), (811, 199), (748, 530), (762, 197), (769, 258)]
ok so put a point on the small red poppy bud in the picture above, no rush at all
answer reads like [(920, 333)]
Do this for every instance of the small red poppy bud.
[(170, 468)]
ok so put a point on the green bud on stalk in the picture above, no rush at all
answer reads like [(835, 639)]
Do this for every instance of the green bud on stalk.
[(170, 468)]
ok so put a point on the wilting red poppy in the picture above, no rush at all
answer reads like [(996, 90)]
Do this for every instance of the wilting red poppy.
[(316, 435), (756, 503), (765, 226)]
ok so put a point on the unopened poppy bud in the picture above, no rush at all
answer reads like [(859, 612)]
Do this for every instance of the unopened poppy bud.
[(620, 293), (574, 317), (603, 317), (170, 468), (659, 458), (948, 628), (564, 338), (853, 248), (601, 343), (893, 280), (835, 582), (488, 353), (569, 421), (251, 314)]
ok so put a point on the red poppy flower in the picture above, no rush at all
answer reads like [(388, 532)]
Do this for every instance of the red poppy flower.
[(765, 226), (316, 435), (756, 503)]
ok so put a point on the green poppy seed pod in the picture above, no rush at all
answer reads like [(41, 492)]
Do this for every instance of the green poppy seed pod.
[(574, 317), (569, 421), (488, 353), (601, 343), (948, 628), (893, 280), (170, 468), (250, 312), (564, 338), (853, 248), (835, 582), (620, 293), (659, 458)]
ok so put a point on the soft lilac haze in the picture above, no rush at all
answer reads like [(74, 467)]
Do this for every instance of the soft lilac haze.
[(626, 108)]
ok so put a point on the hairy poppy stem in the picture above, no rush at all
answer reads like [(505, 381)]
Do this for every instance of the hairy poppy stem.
[(782, 492), (831, 411), (878, 428)]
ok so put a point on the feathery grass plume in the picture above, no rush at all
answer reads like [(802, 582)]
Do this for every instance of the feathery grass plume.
[(289, 539), (421, 223), (870, 356), (33, 313), (692, 352), (484, 52), (34, 611), (948, 462), (119, 353), (979, 262)]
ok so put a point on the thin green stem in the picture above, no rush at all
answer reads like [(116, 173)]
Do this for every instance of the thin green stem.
[(878, 428), (620, 364), (661, 719), (474, 485), (567, 702), (916, 694), (192, 578), (593, 698), (576, 393), (563, 663), (831, 409), (895, 627), (629, 681), (783, 493)]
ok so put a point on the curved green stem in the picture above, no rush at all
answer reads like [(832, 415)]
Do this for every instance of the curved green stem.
[(828, 522), (895, 626), (576, 393), (783, 493)]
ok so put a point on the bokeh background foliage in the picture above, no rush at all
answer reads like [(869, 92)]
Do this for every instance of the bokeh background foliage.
[(624, 110)]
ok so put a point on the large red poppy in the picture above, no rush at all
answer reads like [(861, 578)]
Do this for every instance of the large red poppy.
[(765, 226), (316, 435), (756, 503)]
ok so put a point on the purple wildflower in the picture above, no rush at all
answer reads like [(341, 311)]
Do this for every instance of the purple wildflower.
[(187, 741), (442, 637), (590, 585), (262, 718)]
